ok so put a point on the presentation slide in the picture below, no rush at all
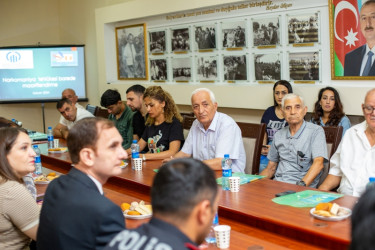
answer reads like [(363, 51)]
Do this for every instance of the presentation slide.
[(40, 74)]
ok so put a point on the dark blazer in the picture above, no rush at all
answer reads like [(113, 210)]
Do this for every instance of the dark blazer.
[(353, 62), (76, 216)]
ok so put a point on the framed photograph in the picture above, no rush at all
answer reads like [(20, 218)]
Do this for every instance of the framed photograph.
[(180, 40), (266, 32), (131, 53), (206, 68), (304, 66), (348, 40), (303, 29), (233, 34), (158, 69), (267, 67), (235, 68), (157, 42), (181, 68), (205, 37)]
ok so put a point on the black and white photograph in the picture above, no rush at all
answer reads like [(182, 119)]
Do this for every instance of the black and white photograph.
[(304, 66), (233, 34), (181, 69), (235, 68), (158, 69), (205, 37), (180, 39), (131, 54), (157, 41), (206, 68), (303, 28), (267, 67), (266, 31)]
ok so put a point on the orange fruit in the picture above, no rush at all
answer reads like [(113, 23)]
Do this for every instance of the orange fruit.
[(133, 213), (125, 206), (51, 174), (326, 206)]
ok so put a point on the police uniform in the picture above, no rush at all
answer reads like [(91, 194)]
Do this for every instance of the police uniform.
[(156, 234)]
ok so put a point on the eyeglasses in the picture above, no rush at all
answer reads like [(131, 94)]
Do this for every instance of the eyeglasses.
[(368, 110)]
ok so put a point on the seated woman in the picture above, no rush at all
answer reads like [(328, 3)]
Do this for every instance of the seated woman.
[(273, 117), (328, 110), (19, 213), (163, 134)]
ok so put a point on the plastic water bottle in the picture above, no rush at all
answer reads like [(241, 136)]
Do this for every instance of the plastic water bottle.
[(210, 238), (37, 162), (17, 122), (135, 151), (371, 183), (226, 166), (263, 162), (50, 138)]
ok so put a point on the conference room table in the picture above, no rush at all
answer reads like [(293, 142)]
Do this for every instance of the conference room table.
[(256, 221)]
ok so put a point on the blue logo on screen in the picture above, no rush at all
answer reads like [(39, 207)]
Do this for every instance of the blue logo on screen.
[(13, 57)]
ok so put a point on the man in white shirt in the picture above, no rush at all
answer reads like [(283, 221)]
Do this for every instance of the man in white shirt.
[(70, 115), (213, 134), (354, 161)]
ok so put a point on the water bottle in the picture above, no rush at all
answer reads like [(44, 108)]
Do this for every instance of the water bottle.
[(371, 183), (135, 151), (210, 238), (263, 162), (226, 166), (37, 162), (17, 122), (50, 138)]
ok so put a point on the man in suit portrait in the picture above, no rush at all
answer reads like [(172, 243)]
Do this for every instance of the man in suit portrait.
[(360, 62), (75, 213)]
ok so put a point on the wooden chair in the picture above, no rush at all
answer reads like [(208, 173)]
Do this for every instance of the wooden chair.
[(333, 139), (186, 124), (100, 112), (252, 135), (91, 108)]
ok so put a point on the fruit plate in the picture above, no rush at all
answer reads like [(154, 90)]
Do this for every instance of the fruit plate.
[(137, 217), (332, 218)]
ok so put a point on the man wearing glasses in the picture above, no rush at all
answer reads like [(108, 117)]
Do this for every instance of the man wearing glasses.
[(299, 150), (354, 161)]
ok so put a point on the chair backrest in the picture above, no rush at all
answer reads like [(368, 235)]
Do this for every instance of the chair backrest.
[(100, 112), (186, 124), (252, 136), (333, 139), (91, 108)]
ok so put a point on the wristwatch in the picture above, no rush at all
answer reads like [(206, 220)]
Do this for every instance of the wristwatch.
[(301, 183)]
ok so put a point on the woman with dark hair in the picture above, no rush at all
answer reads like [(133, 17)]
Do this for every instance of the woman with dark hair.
[(273, 117), (163, 134), (19, 213), (328, 110)]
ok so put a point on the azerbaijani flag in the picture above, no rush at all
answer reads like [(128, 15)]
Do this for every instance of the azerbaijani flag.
[(347, 30)]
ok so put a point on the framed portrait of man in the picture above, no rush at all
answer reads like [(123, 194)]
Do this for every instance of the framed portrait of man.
[(352, 35), (131, 53)]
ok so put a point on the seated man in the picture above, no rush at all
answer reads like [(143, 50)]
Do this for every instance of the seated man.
[(75, 213), (354, 160), (184, 199), (70, 115), (134, 100), (299, 150), (213, 134), (120, 114), (71, 95)]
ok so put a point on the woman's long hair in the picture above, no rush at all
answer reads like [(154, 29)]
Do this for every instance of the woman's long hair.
[(7, 138), (170, 108), (335, 115)]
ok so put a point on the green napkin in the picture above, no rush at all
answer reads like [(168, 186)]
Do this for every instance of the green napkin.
[(244, 178), (307, 198), (156, 170)]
